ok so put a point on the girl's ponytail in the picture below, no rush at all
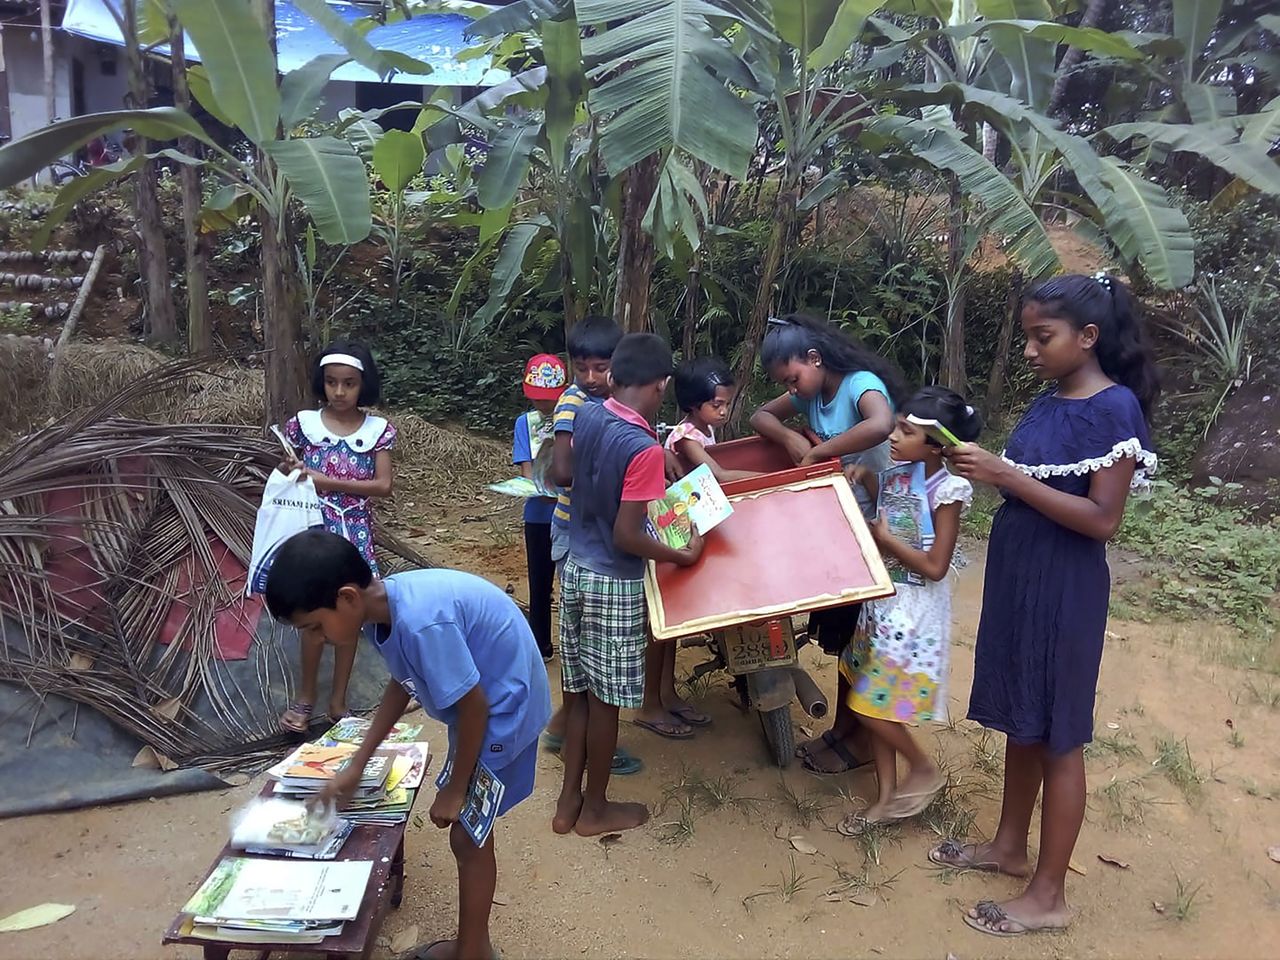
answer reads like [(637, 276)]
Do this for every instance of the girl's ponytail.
[(1122, 350), (796, 334)]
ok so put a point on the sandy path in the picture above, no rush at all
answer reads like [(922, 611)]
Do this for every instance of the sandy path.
[(128, 868)]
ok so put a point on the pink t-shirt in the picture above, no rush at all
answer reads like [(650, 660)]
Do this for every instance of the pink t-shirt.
[(687, 431), (646, 477)]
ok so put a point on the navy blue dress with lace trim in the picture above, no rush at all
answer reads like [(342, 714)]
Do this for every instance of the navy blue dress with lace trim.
[(1044, 607)]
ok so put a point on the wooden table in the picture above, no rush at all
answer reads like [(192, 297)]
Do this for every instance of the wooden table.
[(384, 845)]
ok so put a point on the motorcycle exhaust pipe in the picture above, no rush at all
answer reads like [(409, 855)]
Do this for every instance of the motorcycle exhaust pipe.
[(812, 700)]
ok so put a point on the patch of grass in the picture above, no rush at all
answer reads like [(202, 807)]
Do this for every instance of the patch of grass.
[(847, 881), (1184, 898), (1173, 759), (808, 806), (1121, 746), (874, 837), (695, 688), (1235, 739), (1124, 801), (1268, 696), (953, 811), (679, 831), (793, 881), (987, 759), (721, 792)]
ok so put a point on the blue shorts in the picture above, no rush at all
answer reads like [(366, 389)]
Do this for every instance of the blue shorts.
[(517, 776)]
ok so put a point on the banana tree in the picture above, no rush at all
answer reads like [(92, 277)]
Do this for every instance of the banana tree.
[(237, 82)]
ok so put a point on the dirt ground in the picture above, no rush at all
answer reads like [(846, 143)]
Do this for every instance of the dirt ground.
[(709, 876)]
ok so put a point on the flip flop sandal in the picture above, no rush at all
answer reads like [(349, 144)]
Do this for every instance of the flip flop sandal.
[(691, 716), (913, 804), (855, 825), (299, 709), (424, 953), (663, 729), (802, 750), (991, 915), (951, 853), (850, 761), (624, 764)]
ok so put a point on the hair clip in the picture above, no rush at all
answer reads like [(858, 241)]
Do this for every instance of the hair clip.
[(1103, 279), (777, 322), (968, 410)]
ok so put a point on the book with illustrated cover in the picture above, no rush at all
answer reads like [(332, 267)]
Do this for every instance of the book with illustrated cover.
[(353, 730), (904, 502), (288, 827), (540, 448), (695, 501), (484, 795)]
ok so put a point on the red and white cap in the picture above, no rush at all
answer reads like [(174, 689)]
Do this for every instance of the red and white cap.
[(545, 377)]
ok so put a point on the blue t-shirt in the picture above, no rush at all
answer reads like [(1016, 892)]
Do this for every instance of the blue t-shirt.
[(452, 630), (536, 509), (829, 420)]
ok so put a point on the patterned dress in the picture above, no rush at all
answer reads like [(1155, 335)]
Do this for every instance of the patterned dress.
[(898, 662), (350, 457), (1044, 601)]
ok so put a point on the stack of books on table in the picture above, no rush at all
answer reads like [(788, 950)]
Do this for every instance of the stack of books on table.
[(390, 780), (277, 901)]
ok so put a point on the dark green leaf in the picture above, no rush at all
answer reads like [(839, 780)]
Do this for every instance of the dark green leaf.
[(506, 163), (398, 158), (329, 178), (300, 90)]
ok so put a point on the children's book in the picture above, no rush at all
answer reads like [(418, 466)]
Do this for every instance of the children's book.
[(540, 448), (282, 827), (695, 501), (353, 730), (904, 502), (480, 809), (295, 891)]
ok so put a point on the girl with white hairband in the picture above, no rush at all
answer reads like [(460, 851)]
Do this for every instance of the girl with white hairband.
[(347, 453), (896, 666)]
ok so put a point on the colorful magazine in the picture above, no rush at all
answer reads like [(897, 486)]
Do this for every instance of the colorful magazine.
[(695, 501), (480, 809), (904, 502), (295, 891)]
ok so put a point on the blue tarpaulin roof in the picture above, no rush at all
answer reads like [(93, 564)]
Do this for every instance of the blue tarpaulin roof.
[(432, 38)]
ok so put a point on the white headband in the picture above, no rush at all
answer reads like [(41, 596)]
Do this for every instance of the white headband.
[(346, 359)]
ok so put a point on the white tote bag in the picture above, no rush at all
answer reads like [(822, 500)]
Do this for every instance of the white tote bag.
[(290, 505)]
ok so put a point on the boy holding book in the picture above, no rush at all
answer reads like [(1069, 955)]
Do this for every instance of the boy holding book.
[(462, 647), (618, 467)]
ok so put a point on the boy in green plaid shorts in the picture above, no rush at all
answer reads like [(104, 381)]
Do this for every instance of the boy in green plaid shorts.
[(617, 470)]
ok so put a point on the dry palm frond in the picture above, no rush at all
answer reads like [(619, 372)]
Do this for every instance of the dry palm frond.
[(105, 524)]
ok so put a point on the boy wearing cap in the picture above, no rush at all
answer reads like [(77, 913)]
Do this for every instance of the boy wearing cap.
[(545, 380)]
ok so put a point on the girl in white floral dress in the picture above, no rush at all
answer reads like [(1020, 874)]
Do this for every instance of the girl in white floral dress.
[(897, 664)]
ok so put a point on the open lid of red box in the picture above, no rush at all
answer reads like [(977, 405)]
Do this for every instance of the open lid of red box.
[(796, 542)]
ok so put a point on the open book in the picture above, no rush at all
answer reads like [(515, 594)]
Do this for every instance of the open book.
[(695, 501)]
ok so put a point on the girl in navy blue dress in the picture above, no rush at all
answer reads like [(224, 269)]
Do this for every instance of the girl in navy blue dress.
[(1065, 475)]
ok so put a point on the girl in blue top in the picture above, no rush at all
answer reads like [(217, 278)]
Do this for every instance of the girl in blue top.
[(847, 395)]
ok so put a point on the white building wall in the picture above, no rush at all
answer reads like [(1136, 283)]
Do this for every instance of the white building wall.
[(24, 71)]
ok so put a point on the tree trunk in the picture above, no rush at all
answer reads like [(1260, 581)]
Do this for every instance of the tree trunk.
[(953, 353), (286, 364), (1000, 363), (635, 249), (744, 372), (46, 54), (160, 323), (692, 287), (1071, 59), (199, 332)]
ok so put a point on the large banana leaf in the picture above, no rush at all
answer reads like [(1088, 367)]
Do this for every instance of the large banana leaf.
[(1193, 23), (507, 163), (670, 214), (518, 17), (27, 156), (397, 158), (202, 90), (300, 89), (566, 84), (510, 265), (352, 39), (1207, 102), (845, 30), (329, 178), (1247, 160), (236, 56), (1030, 58), (1010, 215), (1163, 244), (664, 74), (1263, 127)]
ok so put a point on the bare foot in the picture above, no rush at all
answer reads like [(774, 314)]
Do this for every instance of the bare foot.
[(612, 818), (919, 782), (338, 710), (1017, 916), (978, 856), (568, 809)]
